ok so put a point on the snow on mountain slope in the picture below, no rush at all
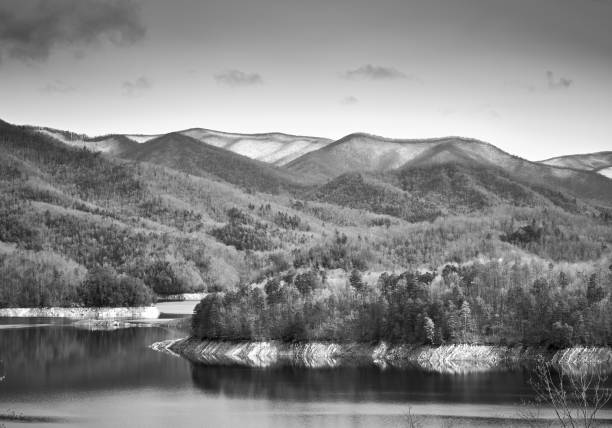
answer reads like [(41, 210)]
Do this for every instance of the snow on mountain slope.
[(607, 172), (138, 138), (275, 148), (69, 138), (587, 162), (367, 153), (187, 154), (364, 152), (112, 144)]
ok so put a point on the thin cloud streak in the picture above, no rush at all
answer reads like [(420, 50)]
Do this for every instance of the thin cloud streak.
[(374, 72), (57, 87), (551, 84), (237, 78)]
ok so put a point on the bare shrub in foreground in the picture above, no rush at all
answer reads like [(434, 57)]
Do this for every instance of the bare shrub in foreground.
[(575, 397), (412, 421)]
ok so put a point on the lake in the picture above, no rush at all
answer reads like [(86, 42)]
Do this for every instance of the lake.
[(85, 378)]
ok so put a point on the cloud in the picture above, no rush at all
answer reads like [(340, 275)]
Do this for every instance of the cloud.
[(31, 29), (375, 72), (552, 84), (57, 87), (561, 83), (350, 100), (238, 78), (136, 87)]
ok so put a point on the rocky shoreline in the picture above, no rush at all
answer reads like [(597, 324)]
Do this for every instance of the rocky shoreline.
[(180, 297), (445, 358), (146, 312)]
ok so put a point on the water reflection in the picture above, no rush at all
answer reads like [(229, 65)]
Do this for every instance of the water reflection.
[(63, 371), (64, 358), (361, 384)]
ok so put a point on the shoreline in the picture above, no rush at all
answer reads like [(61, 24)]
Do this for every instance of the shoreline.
[(181, 297), (143, 312), (443, 359)]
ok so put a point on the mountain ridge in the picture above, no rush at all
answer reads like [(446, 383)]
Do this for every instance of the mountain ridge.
[(186, 154), (148, 217), (317, 161), (273, 147), (366, 153), (600, 162)]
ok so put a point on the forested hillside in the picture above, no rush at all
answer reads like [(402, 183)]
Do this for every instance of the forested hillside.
[(189, 155), (435, 251)]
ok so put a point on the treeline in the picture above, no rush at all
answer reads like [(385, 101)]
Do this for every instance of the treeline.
[(166, 263), (496, 303), (44, 279)]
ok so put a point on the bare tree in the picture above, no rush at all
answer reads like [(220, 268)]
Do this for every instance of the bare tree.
[(575, 396), (412, 421)]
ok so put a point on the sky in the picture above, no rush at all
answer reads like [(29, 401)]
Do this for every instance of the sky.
[(533, 77)]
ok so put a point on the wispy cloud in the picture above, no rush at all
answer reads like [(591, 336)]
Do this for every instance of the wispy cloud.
[(136, 87), (375, 72), (57, 87), (350, 100), (552, 83), (31, 29), (238, 78), (560, 83)]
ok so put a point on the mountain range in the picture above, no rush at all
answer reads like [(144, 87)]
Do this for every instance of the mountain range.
[(199, 209), (275, 148), (276, 162)]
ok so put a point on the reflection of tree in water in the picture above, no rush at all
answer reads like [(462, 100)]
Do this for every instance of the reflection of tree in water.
[(359, 384), (62, 345), (2, 376), (62, 357)]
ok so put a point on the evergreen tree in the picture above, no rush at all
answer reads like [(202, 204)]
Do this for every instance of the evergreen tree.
[(356, 280), (465, 315), (428, 330), (595, 292)]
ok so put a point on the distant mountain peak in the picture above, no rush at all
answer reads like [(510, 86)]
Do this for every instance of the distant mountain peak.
[(273, 147), (366, 153), (600, 162)]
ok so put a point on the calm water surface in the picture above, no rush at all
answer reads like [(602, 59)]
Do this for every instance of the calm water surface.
[(112, 379)]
